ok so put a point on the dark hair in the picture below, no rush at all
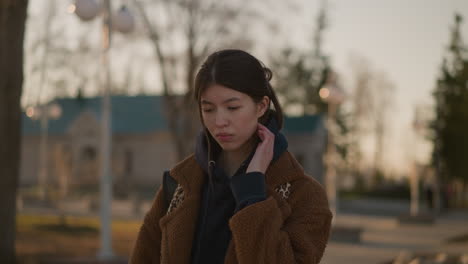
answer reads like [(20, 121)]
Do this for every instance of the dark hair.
[(240, 71)]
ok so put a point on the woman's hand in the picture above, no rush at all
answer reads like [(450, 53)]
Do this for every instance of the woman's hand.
[(264, 152)]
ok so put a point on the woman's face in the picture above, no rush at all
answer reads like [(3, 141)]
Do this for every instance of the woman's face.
[(230, 116)]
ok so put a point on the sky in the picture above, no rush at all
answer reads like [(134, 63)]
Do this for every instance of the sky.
[(405, 39)]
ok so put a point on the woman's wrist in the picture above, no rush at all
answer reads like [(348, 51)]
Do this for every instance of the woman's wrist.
[(248, 187)]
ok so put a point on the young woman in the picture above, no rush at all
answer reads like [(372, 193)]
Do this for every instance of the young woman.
[(241, 197)]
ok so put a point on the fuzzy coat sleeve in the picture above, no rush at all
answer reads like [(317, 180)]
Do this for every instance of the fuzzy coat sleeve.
[(147, 248), (262, 233)]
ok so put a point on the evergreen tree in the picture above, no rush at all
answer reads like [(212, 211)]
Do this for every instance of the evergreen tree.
[(450, 126)]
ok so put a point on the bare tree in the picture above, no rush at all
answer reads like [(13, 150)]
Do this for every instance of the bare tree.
[(362, 105), (12, 26), (371, 100), (57, 65), (382, 99), (185, 33)]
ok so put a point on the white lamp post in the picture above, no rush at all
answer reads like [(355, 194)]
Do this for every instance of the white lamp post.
[(333, 96), (123, 22), (420, 121), (44, 113)]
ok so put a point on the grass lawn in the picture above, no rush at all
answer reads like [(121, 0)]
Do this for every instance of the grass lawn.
[(50, 236)]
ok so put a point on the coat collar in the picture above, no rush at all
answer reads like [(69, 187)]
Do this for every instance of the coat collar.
[(191, 176), (178, 227)]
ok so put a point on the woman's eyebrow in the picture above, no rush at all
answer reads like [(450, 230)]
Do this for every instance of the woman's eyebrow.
[(231, 99), (203, 101)]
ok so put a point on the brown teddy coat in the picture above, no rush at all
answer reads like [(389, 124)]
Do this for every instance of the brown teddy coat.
[(291, 226)]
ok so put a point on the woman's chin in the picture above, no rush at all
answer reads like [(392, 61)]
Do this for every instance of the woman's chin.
[(233, 145), (229, 146)]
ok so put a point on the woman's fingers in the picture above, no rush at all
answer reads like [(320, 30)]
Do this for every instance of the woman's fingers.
[(261, 134), (264, 152), (267, 139), (265, 134), (265, 129)]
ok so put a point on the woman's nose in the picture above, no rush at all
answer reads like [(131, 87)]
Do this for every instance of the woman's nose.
[(221, 120)]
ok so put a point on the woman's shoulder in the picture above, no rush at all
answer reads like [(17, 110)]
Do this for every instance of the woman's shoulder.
[(288, 169), (289, 179), (187, 163), (187, 172), (308, 188), (309, 183)]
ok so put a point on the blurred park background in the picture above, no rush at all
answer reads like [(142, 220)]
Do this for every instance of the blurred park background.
[(95, 104)]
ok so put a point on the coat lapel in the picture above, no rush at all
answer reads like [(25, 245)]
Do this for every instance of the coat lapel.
[(178, 226)]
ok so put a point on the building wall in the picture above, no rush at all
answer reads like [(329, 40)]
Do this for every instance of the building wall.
[(74, 161), (84, 140), (138, 160), (29, 160), (308, 150), (142, 159)]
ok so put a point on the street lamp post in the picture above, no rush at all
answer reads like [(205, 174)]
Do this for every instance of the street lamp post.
[(416, 215), (123, 22), (420, 125), (44, 113), (333, 96), (330, 177)]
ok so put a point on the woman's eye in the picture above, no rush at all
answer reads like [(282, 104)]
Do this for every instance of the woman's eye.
[(207, 110), (232, 108)]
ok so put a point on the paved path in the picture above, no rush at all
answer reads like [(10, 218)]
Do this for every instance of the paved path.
[(384, 238)]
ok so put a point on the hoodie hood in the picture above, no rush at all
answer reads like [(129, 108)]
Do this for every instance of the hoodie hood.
[(201, 148)]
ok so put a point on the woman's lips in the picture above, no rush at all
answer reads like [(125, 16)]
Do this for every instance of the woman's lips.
[(224, 137)]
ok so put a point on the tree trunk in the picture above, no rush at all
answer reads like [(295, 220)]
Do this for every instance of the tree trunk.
[(192, 123), (12, 26), (180, 111)]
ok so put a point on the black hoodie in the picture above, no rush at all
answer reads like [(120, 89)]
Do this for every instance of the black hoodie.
[(222, 196)]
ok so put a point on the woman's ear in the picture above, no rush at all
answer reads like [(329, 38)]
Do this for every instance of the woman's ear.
[(263, 106)]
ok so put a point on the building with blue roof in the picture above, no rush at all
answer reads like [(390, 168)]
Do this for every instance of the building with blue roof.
[(141, 143)]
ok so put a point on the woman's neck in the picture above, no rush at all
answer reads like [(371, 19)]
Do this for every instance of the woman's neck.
[(231, 160)]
